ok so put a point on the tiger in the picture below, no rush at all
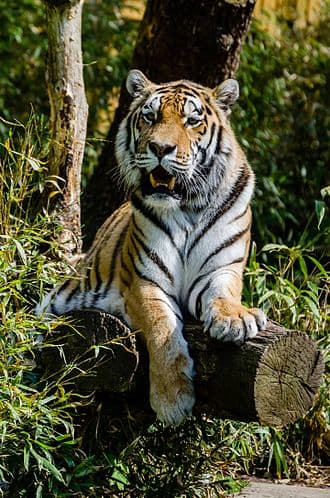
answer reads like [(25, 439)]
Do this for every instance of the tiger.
[(179, 245)]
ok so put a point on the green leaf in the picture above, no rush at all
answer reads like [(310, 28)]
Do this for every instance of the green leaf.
[(45, 401), (320, 212), (274, 247), (39, 491), (318, 265), (20, 251), (120, 478), (303, 267), (43, 463), (26, 457), (312, 306), (34, 163)]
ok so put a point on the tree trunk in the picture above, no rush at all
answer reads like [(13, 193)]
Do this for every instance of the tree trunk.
[(199, 40), (68, 118), (272, 378)]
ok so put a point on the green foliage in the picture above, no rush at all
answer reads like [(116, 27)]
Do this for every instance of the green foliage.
[(292, 290), (23, 44), (108, 42), (36, 424), (283, 120)]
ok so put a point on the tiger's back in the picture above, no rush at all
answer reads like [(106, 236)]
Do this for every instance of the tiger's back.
[(181, 243)]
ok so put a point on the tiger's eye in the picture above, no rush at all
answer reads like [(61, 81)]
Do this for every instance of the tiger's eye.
[(149, 117), (192, 121)]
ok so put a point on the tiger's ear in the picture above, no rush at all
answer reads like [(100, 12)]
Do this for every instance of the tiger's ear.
[(136, 82), (226, 95)]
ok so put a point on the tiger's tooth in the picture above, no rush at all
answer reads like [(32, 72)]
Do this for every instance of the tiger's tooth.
[(171, 183), (153, 182)]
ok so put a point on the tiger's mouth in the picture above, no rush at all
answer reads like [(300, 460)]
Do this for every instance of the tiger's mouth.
[(159, 181), (159, 177)]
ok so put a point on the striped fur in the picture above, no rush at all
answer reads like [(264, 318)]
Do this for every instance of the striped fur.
[(179, 246)]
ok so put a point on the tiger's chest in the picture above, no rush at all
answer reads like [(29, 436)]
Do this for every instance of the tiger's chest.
[(172, 250)]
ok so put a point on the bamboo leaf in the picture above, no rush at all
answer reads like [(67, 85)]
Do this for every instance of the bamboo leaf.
[(20, 251)]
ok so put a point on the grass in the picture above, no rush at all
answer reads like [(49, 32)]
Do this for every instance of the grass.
[(55, 443)]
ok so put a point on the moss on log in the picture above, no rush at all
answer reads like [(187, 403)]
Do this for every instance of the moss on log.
[(272, 379)]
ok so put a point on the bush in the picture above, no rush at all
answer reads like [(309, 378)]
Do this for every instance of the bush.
[(283, 120), (23, 42), (36, 416)]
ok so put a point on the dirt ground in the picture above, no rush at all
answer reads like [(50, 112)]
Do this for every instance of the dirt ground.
[(262, 488)]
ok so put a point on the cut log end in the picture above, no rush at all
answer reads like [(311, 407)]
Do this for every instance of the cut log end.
[(272, 379), (287, 379)]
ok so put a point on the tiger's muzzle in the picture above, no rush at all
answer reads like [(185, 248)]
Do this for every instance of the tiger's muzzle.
[(160, 182)]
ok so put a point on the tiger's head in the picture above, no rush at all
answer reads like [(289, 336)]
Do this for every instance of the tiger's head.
[(175, 139)]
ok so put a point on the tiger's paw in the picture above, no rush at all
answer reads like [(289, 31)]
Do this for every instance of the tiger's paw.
[(172, 394), (232, 322)]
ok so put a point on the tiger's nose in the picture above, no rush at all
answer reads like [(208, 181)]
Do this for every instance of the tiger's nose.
[(161, 150)]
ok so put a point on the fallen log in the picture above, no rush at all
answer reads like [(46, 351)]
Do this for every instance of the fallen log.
[(272, 379)]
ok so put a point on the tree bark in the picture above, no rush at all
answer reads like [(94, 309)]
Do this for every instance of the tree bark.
[(199, 40), (272, 378), (68, 118)]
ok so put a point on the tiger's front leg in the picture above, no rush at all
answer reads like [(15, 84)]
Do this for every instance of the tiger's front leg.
[(170, 367), (224, 317)]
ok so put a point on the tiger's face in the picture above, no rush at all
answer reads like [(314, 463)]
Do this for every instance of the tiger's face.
[(168, 145)]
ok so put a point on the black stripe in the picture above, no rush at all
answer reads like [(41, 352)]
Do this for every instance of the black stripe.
[(148, 279), (117, 218), (218, 144), (98, 280), (236, 191), (108, 227), (211, 135), (136, 226), (114, 257), (132, 240), (128, 131), (202, 152), (154, 258), (73, 292), (208, 110), (124, 281), (198, 186), (124, 267), (133, 128), (131, 257), (195, 88), (203, 275), (241, 214), (199, 278), (97, 272), (208, 328), (53, 309), (224, 245), (87, 279), (65, 284), (198, 302), (147, 213), (189, 93)]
